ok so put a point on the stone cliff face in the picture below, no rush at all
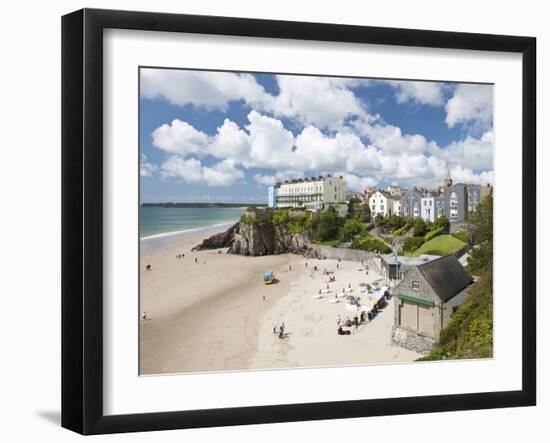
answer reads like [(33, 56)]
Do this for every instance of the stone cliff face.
[(256, 237), (219, 241), (267, 239)]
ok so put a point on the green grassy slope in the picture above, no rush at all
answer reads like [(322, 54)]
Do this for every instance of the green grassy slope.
[(441, 245)]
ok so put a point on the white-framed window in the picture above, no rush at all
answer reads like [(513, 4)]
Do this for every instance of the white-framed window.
[(415, 285)]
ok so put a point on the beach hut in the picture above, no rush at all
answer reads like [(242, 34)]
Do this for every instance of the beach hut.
[(268, 277)]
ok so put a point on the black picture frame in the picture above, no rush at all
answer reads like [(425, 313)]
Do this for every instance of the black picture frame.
[(82, 218)]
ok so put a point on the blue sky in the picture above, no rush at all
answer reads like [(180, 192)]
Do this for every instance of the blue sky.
[(222, 136)]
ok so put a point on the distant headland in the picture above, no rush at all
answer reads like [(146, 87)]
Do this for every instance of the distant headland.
[(202, 205)]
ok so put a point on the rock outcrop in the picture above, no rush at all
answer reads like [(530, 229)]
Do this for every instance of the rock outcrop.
[(220, 240), (255, 235)]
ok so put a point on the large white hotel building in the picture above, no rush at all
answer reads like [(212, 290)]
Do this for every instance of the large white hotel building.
[(313, 193)]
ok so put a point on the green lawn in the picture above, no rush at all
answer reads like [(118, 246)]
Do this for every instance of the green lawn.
[(441, 245)]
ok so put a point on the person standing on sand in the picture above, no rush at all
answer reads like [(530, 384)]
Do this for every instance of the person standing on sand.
[(196, 260), (338, 320)]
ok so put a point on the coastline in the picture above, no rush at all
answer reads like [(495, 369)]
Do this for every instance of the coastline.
[(210, 311), (167, 239), (203, 314)]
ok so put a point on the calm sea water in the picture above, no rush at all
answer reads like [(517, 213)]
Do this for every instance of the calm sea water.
[(154, 220)]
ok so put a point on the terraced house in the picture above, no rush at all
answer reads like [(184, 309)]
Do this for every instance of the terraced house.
[(312, 193), (381, 203)]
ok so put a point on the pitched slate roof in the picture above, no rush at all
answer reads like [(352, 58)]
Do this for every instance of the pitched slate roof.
[(446, 276), (384, 193)]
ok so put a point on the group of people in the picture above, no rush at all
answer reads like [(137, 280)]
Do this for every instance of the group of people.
[(280, 330), (357, 320)]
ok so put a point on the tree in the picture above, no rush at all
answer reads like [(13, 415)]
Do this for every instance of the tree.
[(469, 333), (420, 228), (327, 225), (351, 228), (357, 209), (480, 224), (443, 223)]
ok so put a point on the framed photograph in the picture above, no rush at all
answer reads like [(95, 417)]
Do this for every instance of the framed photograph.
[(269, 221)]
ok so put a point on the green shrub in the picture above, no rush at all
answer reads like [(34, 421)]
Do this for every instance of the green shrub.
[(280, 217), (402, 230), (434, 233), (462, 236), (443, 222), (351, 228), (367, 242), (469, 333), (420, 228), (412, 244), (327, 225), (248, 219)]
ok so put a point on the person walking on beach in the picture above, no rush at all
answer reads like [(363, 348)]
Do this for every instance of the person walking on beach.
[(356, 321), (338, 320), (290, 268), (196, 260)]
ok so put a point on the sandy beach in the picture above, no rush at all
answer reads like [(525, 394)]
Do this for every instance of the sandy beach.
[(210, 311)]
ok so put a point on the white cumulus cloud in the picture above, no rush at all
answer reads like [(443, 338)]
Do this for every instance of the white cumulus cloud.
[(425, 93), (320, 101), (470, 104), (200, 88), (470, 152), (146, 168), (191, 170), (180, 137), (357, 183)]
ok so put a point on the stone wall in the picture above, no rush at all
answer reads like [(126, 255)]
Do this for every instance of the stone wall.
[(372, 259), (411, 340)]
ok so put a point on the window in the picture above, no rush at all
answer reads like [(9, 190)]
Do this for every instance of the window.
[(415, 285)]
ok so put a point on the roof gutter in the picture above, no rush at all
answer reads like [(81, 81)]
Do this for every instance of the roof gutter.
[(418, 300)]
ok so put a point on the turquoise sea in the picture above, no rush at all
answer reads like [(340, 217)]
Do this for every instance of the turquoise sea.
[(156, 220)]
